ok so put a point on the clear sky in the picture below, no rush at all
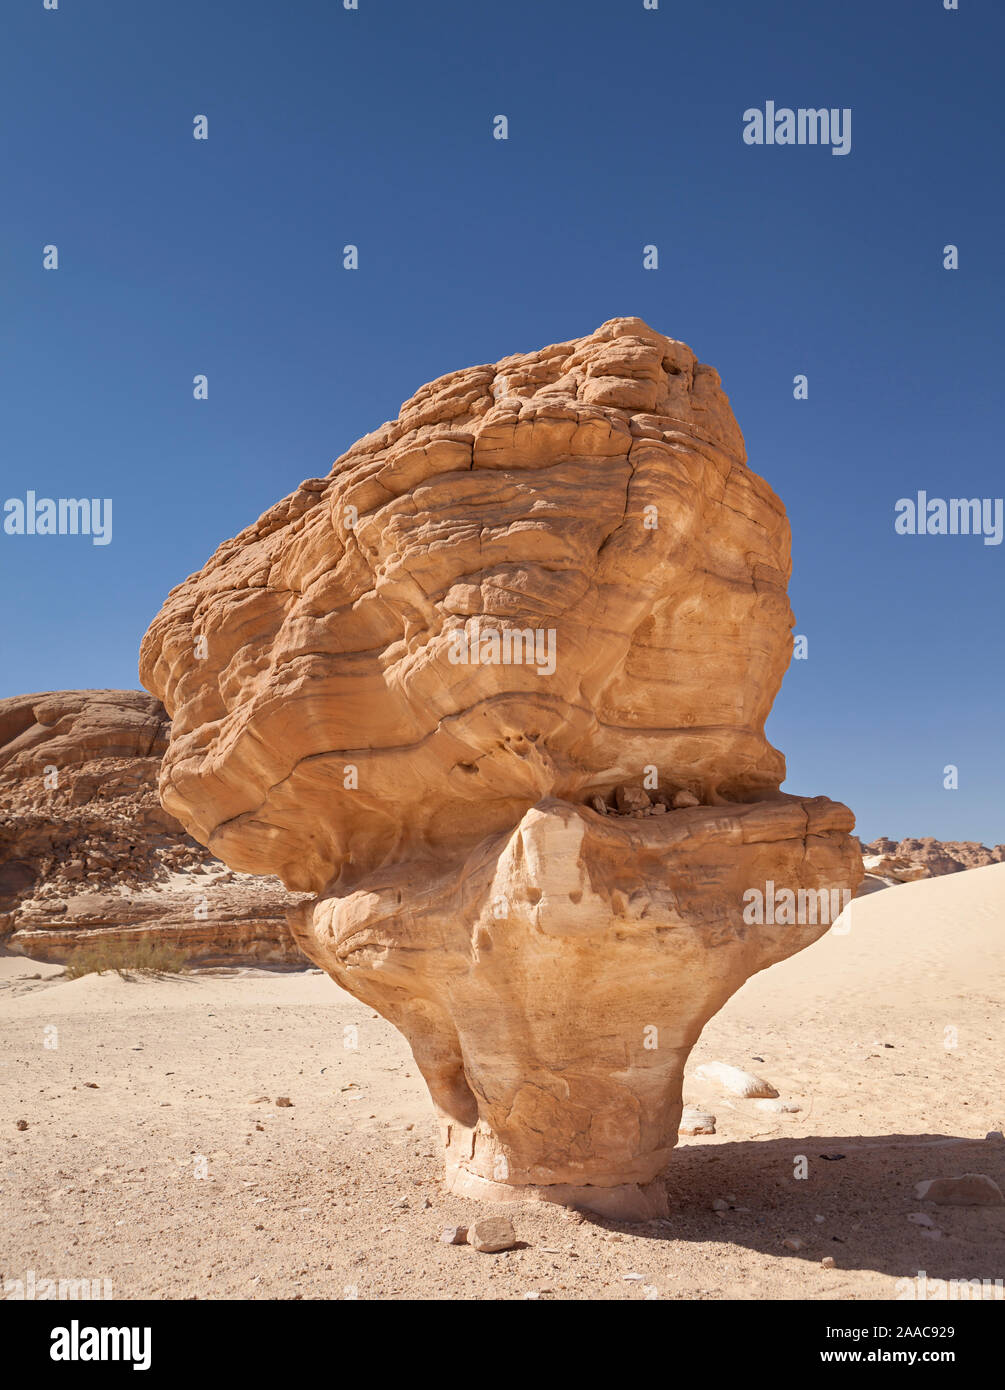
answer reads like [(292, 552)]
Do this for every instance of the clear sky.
[(374, 127)]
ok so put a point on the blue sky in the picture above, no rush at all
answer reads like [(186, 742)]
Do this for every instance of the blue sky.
[(374, 127)]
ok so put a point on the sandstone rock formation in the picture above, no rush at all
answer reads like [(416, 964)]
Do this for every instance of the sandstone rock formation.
[(932, 857), (887, 862), (456, 689), (887, 870), (87, 851)]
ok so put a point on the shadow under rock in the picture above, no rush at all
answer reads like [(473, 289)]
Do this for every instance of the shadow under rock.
[(863, 1188)]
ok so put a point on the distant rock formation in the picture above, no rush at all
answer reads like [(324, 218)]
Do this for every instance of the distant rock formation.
[(938, 856), (494, 691), (87, 851)]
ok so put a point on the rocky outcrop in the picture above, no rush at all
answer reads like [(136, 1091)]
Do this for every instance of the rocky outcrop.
[(890, 869), (494, 693), (87, 851), (889, 862), (591, 495), (932, 857)]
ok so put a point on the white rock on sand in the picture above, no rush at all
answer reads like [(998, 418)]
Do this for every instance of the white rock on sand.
[(735, 1080), (696, 1121)]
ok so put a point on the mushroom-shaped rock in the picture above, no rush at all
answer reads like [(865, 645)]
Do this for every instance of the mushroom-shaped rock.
[(407, 688)]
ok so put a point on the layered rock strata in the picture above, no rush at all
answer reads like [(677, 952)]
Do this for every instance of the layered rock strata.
[(493, 692), (88, 854)]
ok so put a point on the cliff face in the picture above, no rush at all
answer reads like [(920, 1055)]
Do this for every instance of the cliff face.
[(86, 850)]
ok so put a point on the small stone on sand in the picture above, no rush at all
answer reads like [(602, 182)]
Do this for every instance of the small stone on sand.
[(696, 1122), (491, 1234)]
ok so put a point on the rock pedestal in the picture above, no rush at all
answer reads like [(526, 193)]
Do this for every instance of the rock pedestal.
[(494, 692), (553, 983)]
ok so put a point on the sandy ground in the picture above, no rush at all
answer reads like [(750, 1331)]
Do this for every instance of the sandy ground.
[(156, 1157)]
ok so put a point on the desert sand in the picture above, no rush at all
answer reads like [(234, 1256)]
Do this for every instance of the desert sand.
[(339, 1194)]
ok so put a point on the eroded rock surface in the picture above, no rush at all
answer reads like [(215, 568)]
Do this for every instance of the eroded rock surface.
[(494, 692), (931, 858), (887, 862), (88, 852), (552, 999)]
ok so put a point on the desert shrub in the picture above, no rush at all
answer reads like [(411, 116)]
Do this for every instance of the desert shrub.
[(126, 958)]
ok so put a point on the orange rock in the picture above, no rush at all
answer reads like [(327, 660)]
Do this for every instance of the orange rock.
[(404, 687), (88, 855)]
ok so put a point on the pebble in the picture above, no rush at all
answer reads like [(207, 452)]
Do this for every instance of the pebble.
[(454, 1235), (794, 1243), (828, 1262), (720, 1205), (283, 1100), (492, 1234), (920, 1218), (631, 799), (683, 799), (779, 1107)]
